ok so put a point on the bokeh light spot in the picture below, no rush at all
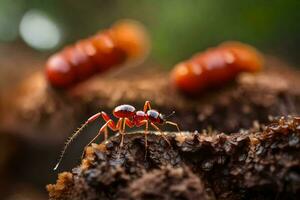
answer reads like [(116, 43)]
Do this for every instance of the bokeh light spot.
[(39, 31)]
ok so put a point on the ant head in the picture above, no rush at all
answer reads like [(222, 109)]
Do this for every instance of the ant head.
[(164, 118)]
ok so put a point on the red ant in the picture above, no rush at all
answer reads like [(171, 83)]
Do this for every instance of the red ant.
[(127, 115)]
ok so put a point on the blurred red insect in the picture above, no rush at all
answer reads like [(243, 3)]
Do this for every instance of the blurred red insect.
[(127, 116), (124, 41), (215, 67)]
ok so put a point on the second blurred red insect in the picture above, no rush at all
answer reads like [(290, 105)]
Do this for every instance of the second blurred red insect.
[(105, 50)]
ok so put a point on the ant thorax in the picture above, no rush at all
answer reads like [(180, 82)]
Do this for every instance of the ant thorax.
[(139, 116)]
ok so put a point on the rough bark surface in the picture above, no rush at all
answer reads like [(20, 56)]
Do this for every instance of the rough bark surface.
[(260, 163)]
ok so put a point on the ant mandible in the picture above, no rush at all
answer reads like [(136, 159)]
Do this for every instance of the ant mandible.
[(127, 115)]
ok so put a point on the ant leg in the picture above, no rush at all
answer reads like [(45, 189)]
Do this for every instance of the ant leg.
[(110, 123), (112, 127), (174, 124), (129, 123), (105, 116), (140, 123), (91, 119), (122, 130), (147, 106), (146, 139), (146, 134), (162, 134), (105, 133), (125, 122), (118, 126)]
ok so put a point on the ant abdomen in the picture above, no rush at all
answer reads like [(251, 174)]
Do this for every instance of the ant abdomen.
[(125, 41), (124, 111)]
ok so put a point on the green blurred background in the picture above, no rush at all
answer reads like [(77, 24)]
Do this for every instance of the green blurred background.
[(178, 28)]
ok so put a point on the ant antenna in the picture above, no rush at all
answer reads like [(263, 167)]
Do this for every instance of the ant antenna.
[(70, 139), (75, 134), (172, 113)]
